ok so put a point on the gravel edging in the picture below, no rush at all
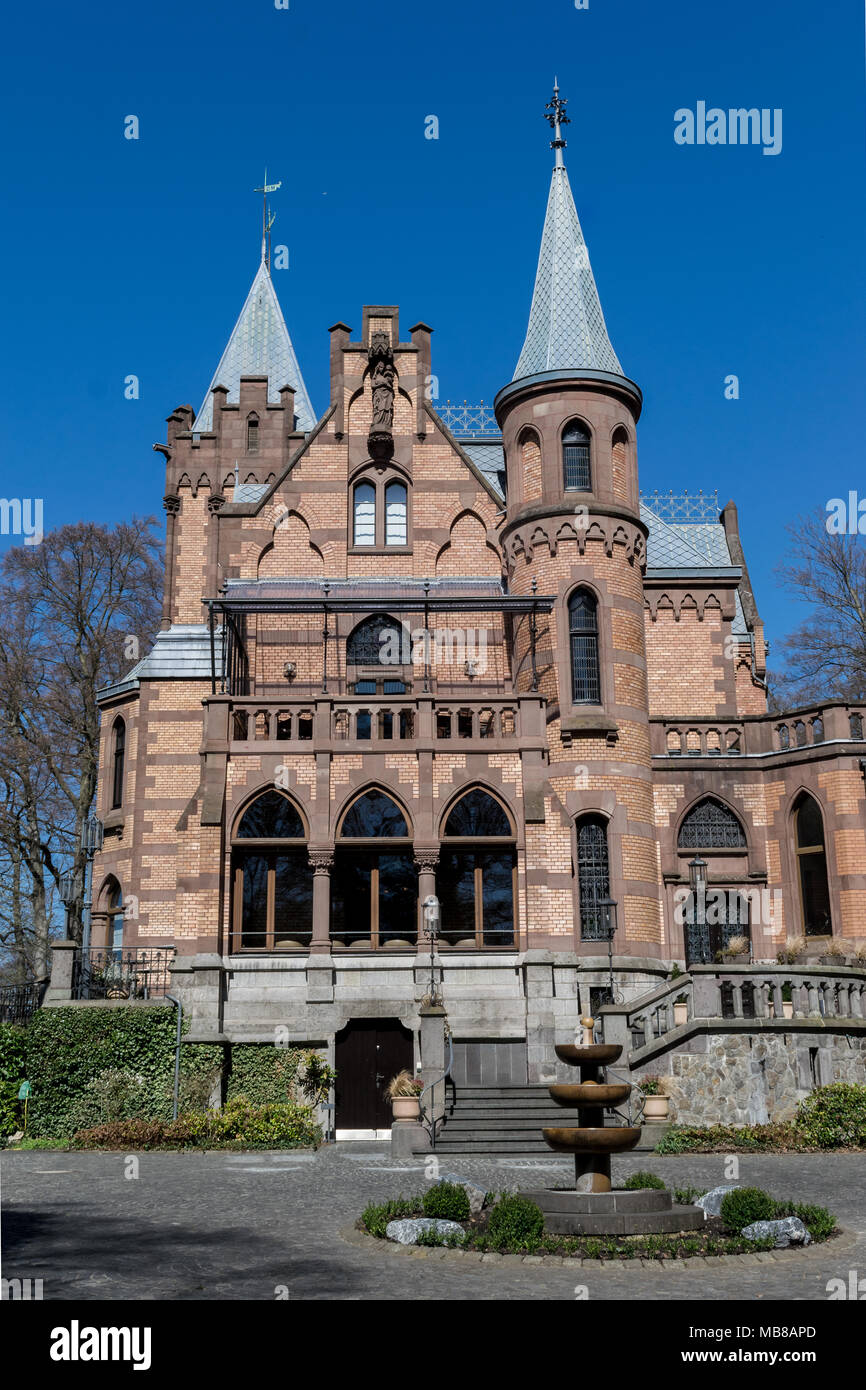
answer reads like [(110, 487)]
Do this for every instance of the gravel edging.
[(362, 1240)]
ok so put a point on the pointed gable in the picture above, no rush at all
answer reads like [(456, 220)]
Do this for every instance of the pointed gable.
[(566, 325), (259, 346)]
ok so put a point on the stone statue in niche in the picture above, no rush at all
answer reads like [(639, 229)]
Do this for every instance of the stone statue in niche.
[(382, 377)]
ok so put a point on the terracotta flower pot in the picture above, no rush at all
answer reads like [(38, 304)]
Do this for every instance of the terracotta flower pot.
[(406, 1107), (656, 1107)]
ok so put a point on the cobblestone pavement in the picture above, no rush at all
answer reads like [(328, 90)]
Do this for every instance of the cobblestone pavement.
[(239, 1226)]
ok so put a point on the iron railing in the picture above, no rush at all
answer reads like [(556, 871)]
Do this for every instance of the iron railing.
[(18, 1002), (134, 974)]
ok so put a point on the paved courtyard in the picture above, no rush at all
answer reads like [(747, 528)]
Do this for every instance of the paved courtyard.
[(240, 1226)]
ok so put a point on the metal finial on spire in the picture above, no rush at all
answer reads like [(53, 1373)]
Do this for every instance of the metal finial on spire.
[(555, 113), (267, 217)]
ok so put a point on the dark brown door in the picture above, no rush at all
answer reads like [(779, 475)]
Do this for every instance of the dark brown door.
[(368, 1052)]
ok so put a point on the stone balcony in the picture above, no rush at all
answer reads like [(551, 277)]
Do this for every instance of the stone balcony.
[(784, 736)]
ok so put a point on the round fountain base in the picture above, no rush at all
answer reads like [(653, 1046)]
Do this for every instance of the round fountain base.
[(645, 1212)]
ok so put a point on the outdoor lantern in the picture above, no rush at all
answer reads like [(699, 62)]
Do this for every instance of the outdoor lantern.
[(431, 915), (91, 835), (290, 670), (608, 907), (68, 887), (698, 874)]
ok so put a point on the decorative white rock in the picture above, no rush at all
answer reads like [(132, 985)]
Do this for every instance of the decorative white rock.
[(787, 1231), (711, 1202), (475, 1193), (407, 1232)]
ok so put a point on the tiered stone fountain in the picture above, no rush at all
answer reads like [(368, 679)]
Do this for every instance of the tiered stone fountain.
[(593, 1207)]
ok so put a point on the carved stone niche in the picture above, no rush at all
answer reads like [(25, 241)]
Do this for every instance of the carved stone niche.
[(380, 440)]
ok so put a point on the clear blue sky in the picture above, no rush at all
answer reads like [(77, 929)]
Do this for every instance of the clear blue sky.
[(134, 257)]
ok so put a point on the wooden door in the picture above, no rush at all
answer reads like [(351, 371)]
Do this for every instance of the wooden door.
[(368, 1052)]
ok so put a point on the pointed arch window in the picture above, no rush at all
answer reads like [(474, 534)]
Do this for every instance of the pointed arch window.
[(576, 469), (711, 825), (253, 434), (114, 935), (118, 760), (583, 641), (272, 877), (593, 877), (811, 854), (377, 641), (475, 877), (364, 514), (374, 885), (396, 514)]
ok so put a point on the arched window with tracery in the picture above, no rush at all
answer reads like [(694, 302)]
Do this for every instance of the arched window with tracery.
[(118, 758), (252, 434), (378, 641), (475, 878), (576, 467), (711, 825), (272, 877), (374, 884), (811, 853), (583, 644), (593, 877)]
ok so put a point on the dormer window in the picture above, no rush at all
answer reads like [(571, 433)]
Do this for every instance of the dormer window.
[(253, 434)]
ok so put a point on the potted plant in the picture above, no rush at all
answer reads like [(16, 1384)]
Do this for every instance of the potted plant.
[(404, 1092), (834, 953), (737, 950), (655, 1103), (792, 951), (681, 1010)]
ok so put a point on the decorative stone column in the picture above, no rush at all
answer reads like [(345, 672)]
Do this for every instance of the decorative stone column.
[(172, 507), (426, 861), (322, 861)]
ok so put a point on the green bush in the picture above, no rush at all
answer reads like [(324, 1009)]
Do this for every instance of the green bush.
[(770, 1138), (12, 1073), (745, 1205), (642, 1179), (819, 1222), (685, 1196), (515, 1221), (70, 1050), (376, 1215), (446, 1200), (834, 1116)]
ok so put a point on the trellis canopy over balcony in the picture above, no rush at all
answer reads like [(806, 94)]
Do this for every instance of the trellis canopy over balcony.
[(412, 602)]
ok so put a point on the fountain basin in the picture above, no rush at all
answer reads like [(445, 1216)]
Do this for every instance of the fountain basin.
[(612, 1139), (589, 1094), (598, 1053)]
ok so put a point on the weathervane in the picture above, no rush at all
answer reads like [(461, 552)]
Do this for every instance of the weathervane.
[(267, 217), (555, 114)]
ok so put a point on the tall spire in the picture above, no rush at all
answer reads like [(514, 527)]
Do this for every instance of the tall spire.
[(566, 324), (259, 346), (267, 217)]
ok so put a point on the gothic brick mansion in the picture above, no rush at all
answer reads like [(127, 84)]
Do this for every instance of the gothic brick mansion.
[(409, 652)]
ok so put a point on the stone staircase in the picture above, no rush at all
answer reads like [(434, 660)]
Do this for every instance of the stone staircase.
[(498, 1120)]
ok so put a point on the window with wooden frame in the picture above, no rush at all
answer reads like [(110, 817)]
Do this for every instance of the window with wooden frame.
[(811, 854), (118, 760), (476, 878), (272, 880), (380, 513), (374, 883)]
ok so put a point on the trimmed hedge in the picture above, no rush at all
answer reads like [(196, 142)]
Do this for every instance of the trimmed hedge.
[(834, 1117), (238, 1125), (12, 1073), (269, 1075)]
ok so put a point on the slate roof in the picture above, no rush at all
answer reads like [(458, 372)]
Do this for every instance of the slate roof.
[(566, 323), (259, 346)]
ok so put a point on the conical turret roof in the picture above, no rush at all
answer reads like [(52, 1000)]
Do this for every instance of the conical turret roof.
[(259, 346)]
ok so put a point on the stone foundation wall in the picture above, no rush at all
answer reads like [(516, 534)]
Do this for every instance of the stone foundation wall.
[(745, 1079)]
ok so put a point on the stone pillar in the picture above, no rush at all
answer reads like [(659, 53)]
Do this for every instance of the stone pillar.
[(426, 861), (432, 1041), (199, 981), (322, 862), (172, 506), (62, 965)]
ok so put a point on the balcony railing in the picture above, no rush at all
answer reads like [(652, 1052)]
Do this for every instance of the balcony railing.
[(133, 974), (758, 735), (383, 721)]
